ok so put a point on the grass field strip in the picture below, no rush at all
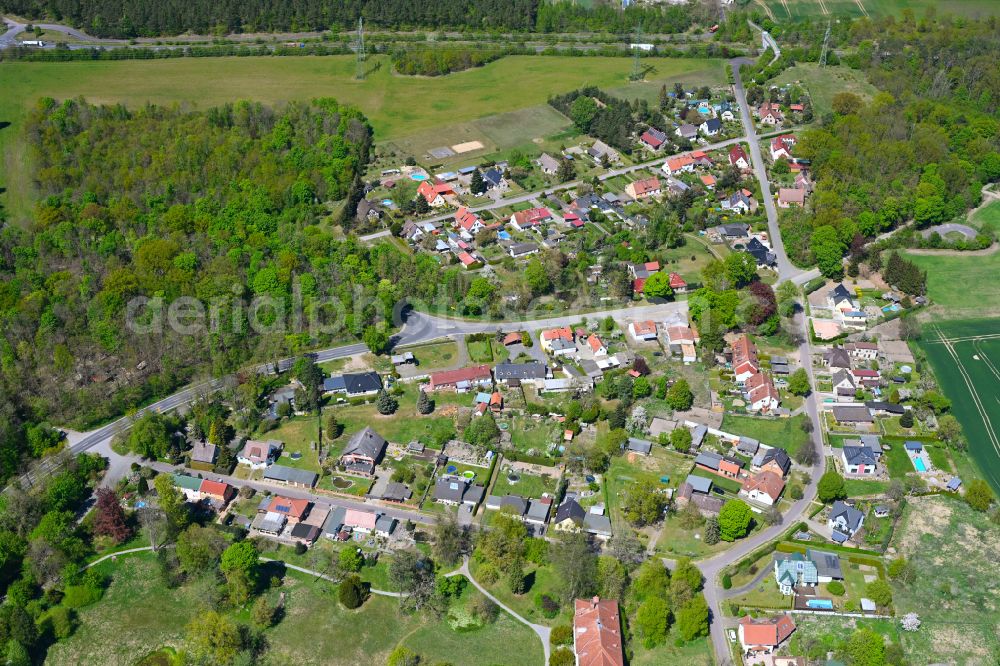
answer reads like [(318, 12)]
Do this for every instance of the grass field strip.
[(990, 432), (823, 8), (969, 338), (861, 6)]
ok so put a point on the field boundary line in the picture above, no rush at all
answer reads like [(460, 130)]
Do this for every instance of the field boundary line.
[(964, 338), (984, 415), (983, 356)]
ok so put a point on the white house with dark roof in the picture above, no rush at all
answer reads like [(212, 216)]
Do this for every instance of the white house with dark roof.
[(844, 521), (259, 454)]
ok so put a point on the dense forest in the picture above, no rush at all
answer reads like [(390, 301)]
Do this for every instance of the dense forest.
[(138, 18), (920, 150), (222, 205)]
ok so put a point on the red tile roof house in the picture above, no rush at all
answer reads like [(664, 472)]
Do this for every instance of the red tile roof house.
[(597, 637), (642, 330), (781, 147), (738, 157), (653, 138), (292, 509), (770, 114), (791, 196), (548, 337), (596, 346), (463, 379), (643, 189), (468, 222), (745, 363), (466, 259), (530, 218), (763, 636), (678, 164), (708, 180), (678, 284), (217, 491), (761, 394), (763, 488), (436, 194), (513, 338)]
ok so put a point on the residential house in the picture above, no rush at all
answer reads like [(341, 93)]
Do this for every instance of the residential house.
[(259, 454), (653, 138), (537, 512), (770, 114), (353, 385), (190, 486), (644, 188), (764, 488), (468, 222), (597, 636), (772, 458), (294, 510), (761, 394), (708, 180), (218, 492), (827, 565), (723, 466), (794, 570), (304, 533), (711, 127), (860, 457), (360, 521), (548, 164), (467, 259), (571, 517), (519, 250), (597, 347), (462, 380), (791, 196), (436, 193), (506, 372), (867, 378), (865, 351), (550, 336), (837, 357), (745, 363), (884, 408), (678, 284), (844, 385), (290, 476), (385, 526), (494, 180), (681, 341), (781, 147), (364, 450), (679, 164), (840, 299), (738, 203), (844, 521), (513, 504), (738, 157), (395, 492), (748, 446), (600, 150), (852, 414), (530, 218), (457, 490), (367, 211), (761, 253), (687, 131), (204, 453), (697, 490), (640, 271), (642, 331), (762, 636)]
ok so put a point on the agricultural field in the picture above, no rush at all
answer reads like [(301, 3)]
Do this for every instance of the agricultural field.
[(965, 357), (507, 85), (823, 83), (950, 547), (949, 278), (818, 9), (142, 616)]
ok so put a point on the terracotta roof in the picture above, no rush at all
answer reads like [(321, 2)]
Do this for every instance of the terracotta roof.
[(449, 377), (466, 218), (597, 638), (645, 186), (286, 506), (512, 338), (566, 333), (677, 163), (677, 281), (680, 334), (766, 631), (767, 482), (744, 352), (215, 488), (644, 327), (595, 343), (531, 216), (793, 195), (466, 258), (708, 179)]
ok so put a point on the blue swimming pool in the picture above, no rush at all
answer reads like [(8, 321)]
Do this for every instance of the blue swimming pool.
[(418, 176), (503, 235), (451, 469), (891, 308), (822, 604), (918, 464)]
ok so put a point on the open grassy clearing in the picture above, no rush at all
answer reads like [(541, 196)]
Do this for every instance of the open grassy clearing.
[(953, 549), (961, 286), (825, 82), (786, 433), (967, 371), (987, 216), (435, 355), (396, 106)]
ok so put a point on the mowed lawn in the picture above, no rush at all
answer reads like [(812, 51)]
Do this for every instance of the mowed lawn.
[(140, 615), (397, 106), (968, 369), (961, 286), (786, 433)]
